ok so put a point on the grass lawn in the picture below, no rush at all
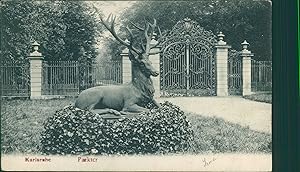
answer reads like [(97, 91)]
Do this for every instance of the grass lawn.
[(260, 97), (22, 123), (215, 135)]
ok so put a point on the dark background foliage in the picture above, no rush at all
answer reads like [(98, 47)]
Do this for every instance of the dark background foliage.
[(237, 19), (65, 30)]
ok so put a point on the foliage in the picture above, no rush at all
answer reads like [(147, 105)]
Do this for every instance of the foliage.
[(113, 50), (66, 30), (22, 125), (74, 131), (237, 19), (260, 97)]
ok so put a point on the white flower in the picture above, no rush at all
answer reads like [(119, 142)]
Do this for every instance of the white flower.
[(94, 150)]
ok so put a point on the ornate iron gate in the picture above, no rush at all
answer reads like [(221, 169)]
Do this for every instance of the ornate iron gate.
[(235, 83), (188, 61)]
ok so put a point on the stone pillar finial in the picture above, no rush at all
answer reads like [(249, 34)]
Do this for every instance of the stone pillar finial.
[(125, 51), (35, 46), (221, 36), (154, 35), (221, 39), (35, 54), (245, 46), (153, 39)]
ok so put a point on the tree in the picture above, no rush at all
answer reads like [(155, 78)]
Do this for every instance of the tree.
[(63, 29), (237, 19), (81, 28)]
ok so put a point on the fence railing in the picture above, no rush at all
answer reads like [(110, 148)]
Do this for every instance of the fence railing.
[(108, 73), (261, 76), (15, 79), (60, 78), (71, 77)]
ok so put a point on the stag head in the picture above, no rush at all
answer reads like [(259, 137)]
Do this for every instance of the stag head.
[(138, 56)]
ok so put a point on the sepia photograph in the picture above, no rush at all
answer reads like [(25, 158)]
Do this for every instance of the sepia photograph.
[(136, 85)]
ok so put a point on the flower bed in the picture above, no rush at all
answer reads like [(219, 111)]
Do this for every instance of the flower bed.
[(75, 131)]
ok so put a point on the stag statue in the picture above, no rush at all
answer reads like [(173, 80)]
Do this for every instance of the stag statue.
[(127, 98)]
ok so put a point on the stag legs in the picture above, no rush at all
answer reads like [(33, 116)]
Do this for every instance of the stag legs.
[(106, 111), (133, 109), (130, 110), (156, 103)]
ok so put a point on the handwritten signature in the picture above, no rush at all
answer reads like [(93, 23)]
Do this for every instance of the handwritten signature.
[(207, 163)]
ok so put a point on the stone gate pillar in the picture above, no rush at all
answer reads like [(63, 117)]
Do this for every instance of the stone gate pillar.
[(246, 59), (126, 66), (155, 59), (36, 61), (222, 65)]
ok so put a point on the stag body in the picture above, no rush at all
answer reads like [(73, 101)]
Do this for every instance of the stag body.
[(126, 98)]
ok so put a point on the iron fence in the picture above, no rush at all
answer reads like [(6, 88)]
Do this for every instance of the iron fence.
[(71, 77), (60, 78), (108, 73), (15, 79), (261, 76)]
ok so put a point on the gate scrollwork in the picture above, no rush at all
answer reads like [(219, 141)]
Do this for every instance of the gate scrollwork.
[(188, 60), (234, 73)]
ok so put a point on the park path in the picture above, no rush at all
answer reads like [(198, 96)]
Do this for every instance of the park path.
[(256, 115)]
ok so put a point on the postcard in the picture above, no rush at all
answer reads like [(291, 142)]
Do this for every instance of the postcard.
[(136, 85)]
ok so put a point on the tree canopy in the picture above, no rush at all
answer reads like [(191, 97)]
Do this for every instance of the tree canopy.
[(237, 19), (65, 29)]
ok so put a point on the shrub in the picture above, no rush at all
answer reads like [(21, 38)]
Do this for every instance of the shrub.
[(74, 131)]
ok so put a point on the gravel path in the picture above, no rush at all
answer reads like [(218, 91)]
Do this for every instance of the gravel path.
[(256, 115)]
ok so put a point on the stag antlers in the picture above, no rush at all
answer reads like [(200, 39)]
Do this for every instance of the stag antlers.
[(110, 26), (148, 30), (149, 37)]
